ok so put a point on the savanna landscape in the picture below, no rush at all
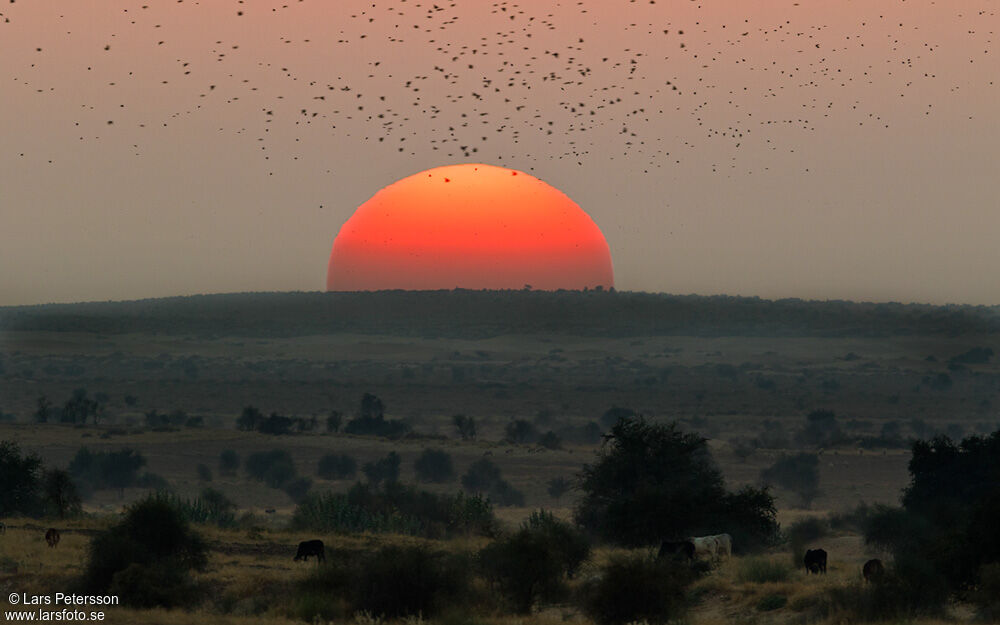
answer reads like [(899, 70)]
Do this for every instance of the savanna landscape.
[(472, 461)]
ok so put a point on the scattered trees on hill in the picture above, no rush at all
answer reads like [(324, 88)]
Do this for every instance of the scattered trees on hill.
[(798, 473), (652, 482)]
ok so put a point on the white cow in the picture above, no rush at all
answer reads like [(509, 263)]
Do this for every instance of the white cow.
[(725, 545), (705, 546)]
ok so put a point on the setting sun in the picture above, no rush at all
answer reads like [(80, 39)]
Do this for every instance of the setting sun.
[(469, 226)]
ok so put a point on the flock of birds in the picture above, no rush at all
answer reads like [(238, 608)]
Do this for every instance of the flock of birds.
[(509, 83)]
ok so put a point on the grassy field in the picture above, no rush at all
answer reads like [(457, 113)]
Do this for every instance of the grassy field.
[(738, 371), (250, 575)]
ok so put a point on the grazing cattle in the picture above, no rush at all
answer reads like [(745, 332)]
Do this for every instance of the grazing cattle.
[(676, 549), (52, 537), (724, 545), (872, 570), (3, 527), (705, 546), (311, 548), (815, 561)]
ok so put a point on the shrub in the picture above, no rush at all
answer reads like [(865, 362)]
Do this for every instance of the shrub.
[(653, 480), (397, 509), (20, 481), (337, 467), (465, 426), (614, 414), (803, 532), (372, 422), (434, 465), (550, 440), (211, 507), (558, 486), (147, 557), (298, 488), (106, 469), (759, 570), (571, 544), (483, 476), (384, 469), (524, 567), (275, 467), (393, 582), (987, 595), (798, 473), (229, 462), (520, 431), (771, 602), (821, 429), (333, 421), (406, 581), (60, 495), (637, 588)]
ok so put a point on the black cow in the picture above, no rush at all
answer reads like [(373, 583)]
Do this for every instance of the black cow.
[(815, 561), (676, 549), (872, 570), (310, 548), (52, 537)]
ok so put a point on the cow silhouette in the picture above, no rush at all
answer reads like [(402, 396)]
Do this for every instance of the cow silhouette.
[(310, 548), (52, 537)]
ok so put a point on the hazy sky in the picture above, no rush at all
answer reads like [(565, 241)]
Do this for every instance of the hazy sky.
[(826, 149)]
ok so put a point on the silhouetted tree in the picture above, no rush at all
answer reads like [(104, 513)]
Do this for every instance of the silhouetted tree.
[(465, 426), (60, 493), (434, 465)]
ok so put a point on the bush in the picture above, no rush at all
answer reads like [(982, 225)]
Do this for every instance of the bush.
[(393, 582), (520, 431), (761, 570), (524, 567), (798, 473), (275, 467), (558, 486), (99, 470), (465, 426), (396, 509), (987, 595), (821, 429), (434, 465), (384, 469), (298, 488), (483, 476), (550, 440), (571, 544), (803, 532), (229, 462), (408, 581), (20, 481), (771, 602), (333, 421), (60, 496), (636, 588), (337, 467), (147, 557), (372, 422), (652, 481)]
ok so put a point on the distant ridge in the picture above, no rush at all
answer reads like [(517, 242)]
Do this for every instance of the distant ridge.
[(480, 314)]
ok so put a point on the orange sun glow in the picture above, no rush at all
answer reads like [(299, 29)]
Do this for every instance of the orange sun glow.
[(469, 226)]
